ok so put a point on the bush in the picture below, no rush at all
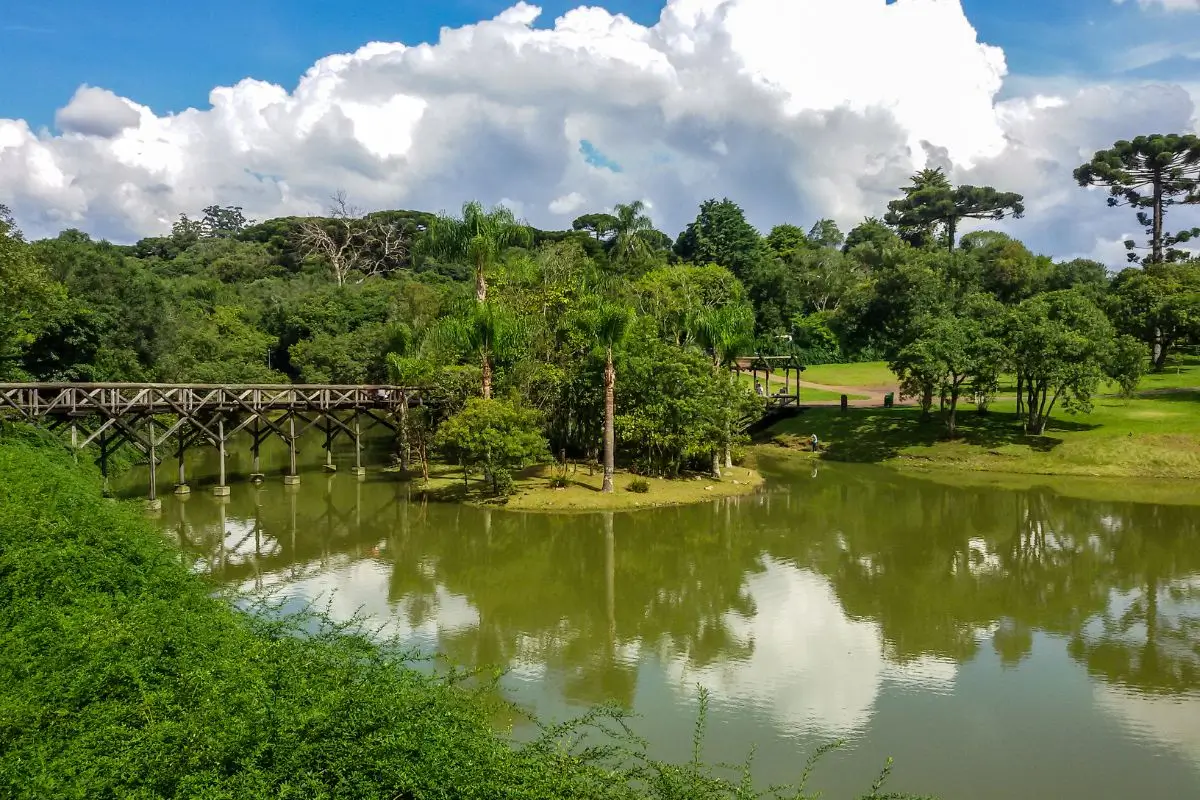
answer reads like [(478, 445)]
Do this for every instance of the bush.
[(495, 437), (639, 485), (559, 482)]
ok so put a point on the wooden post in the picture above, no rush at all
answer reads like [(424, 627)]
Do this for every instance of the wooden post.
[(329, 465), (104, 458), (75, 441), (181, 485), (358, 467), (256, 475), (221, 489), (153, 503), (293, 476)]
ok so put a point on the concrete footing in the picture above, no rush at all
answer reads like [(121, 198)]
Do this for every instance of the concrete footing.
[(330, 467), (182, 488), (153, 506), (359, 471), (257, 477), (291, 480), (220, 491)]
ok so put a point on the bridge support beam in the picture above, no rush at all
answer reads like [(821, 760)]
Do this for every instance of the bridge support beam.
[(222, 488), (153, 504), (358, 470), (293, 476), (181, 484), (329, 465)]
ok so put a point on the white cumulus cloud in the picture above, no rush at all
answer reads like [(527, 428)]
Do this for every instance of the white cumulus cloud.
[(794, 108)]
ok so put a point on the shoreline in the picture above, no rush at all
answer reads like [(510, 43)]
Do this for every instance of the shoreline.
[(534, 494), (1157, 489)]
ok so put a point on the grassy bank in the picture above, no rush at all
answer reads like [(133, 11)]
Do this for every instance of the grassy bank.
[(1151, 436), (534, 491), (120, 676)]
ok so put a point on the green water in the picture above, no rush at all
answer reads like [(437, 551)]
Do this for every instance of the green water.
[(998, 643)]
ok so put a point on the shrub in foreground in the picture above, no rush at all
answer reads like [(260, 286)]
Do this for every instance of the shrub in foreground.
[(120, 676)]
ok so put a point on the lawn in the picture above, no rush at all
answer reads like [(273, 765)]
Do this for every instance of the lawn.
[(534, 493), (868, 374), (1149, 436), (807, 394)]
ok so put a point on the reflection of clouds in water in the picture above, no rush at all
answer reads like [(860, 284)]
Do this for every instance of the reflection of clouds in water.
[(1174, 722), (361, 587), (812, 667)]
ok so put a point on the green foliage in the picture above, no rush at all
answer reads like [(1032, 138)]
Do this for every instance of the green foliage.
[(30, 302), (1149, 174), (1127, 364), (639, 485), (721, 235), (672, 407), (1159, 305), (493, 437), (931, 208), (1062, 345), (479, 237)]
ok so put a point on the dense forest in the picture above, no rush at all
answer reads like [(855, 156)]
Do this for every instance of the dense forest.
[(613, 336)]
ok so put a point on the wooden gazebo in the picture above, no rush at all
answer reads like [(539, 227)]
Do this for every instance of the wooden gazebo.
[(789, 395)]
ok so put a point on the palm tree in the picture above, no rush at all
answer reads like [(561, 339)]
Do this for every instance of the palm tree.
[(612, 327), (727, 333), (407, 370), (485, 331), (478, 237), (635, 237)]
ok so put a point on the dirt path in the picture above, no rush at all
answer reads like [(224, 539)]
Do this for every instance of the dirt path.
[(868, 395)]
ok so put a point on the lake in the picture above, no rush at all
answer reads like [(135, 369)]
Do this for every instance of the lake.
[(998, 643)]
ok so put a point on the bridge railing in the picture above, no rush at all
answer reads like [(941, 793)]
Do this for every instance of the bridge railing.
[(42, 399)]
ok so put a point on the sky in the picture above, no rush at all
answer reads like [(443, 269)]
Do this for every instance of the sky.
[(116, 117)]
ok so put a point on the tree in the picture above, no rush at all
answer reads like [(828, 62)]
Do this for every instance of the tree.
[(1061, 344), (1149, 174), (871, 231), (408, 370), (612, 323), (825, 233), (478, 237), (721, 235), (600, 226), (932, 209), (1158, 304), (952, 352), (786, 239), (221, 222), (30, 301), (353, 243), (727, 333), (1127, 364), (634, 238), (486, 332), (495, 437)]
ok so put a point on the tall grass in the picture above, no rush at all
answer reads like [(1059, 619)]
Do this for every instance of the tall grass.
[(121, 676)]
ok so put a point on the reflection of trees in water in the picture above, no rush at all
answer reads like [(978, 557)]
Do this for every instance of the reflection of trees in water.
[(939, 567), (936, 568), (572, 593), (1149, 638)]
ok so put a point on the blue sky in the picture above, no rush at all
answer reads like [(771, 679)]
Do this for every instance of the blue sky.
[(169, 55)]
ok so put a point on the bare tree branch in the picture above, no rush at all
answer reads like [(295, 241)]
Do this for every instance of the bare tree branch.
[(354, 244)]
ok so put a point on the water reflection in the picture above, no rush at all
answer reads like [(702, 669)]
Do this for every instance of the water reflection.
[(998, 624)]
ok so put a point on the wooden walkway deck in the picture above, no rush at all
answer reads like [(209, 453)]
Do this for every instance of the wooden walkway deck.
[(149, 416)]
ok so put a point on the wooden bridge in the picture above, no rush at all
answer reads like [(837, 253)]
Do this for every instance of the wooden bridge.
[(154, 416)]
